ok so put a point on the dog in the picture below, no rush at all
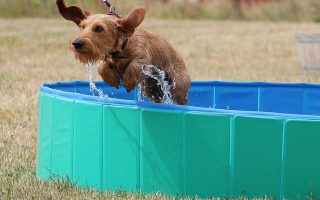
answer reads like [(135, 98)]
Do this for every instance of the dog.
[(123, 51)]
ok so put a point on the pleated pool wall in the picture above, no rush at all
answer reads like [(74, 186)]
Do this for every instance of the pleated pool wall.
[(181, 152)]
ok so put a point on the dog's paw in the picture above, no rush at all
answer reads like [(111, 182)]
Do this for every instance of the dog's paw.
[(130, 79), (108, 73)]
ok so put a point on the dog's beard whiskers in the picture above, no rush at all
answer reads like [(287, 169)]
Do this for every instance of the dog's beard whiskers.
[(86, 59), (90, 56), (96, 51), (100, 51)]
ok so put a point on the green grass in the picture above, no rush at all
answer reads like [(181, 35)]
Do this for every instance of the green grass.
[(33, 51)]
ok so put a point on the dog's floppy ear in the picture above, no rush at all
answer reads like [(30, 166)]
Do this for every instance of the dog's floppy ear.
[(72, 13), (129, 23)]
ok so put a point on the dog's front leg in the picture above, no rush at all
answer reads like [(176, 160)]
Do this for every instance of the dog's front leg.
[(108, 73), (133, 73)]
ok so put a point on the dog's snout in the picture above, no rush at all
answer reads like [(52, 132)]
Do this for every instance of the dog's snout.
[(77, 44)]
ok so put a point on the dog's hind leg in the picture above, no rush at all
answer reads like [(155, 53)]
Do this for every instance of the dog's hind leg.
[(180, 91)]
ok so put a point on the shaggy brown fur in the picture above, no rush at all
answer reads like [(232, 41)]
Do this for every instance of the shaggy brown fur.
[(122, 49)]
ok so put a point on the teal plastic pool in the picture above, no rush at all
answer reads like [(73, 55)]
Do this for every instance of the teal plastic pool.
[(233, 138)]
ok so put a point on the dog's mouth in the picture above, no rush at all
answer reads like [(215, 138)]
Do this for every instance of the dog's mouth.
[(86, 56)]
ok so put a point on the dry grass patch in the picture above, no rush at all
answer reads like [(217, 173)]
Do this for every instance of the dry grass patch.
[(35, 51), (273, 10)]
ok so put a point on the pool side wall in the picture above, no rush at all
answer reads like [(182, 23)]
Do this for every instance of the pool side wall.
[(111, 147)]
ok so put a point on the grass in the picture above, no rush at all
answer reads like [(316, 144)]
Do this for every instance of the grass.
[(33, 51), (274, 10)]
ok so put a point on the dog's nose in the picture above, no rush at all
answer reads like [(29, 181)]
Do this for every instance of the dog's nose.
[(77, 44)]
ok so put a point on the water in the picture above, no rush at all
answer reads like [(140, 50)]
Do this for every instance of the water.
[(139, 93), (93, 87), (154, 72), (151, 71)]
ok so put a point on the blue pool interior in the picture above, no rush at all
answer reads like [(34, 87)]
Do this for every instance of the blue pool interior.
[(208, 96)]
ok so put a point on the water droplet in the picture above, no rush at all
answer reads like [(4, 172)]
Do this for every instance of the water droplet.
[(139, 93), (92, 85)]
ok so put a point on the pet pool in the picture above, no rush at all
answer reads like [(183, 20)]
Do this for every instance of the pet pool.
[(234, 138)]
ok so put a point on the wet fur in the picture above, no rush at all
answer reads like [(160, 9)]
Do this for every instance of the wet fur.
[(118, 62)]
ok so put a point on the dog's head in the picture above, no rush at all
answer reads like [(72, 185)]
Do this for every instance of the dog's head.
[(100, 33)]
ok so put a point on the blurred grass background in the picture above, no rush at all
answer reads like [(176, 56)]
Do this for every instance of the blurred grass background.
[(270, 10), (33, 51)]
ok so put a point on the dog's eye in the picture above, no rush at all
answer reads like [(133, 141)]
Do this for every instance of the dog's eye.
[(98, 29)]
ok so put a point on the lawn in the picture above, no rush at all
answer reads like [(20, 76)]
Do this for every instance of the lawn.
[(33, 51)]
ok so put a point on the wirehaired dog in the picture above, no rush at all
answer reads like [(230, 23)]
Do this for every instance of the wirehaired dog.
[(122, 51)]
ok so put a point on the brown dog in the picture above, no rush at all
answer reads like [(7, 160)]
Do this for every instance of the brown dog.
[(123, 51)]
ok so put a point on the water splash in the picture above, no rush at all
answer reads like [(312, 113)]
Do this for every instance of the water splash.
[(150, 71), (139, 93), (213, 106), (93, 87), (155, 73)]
